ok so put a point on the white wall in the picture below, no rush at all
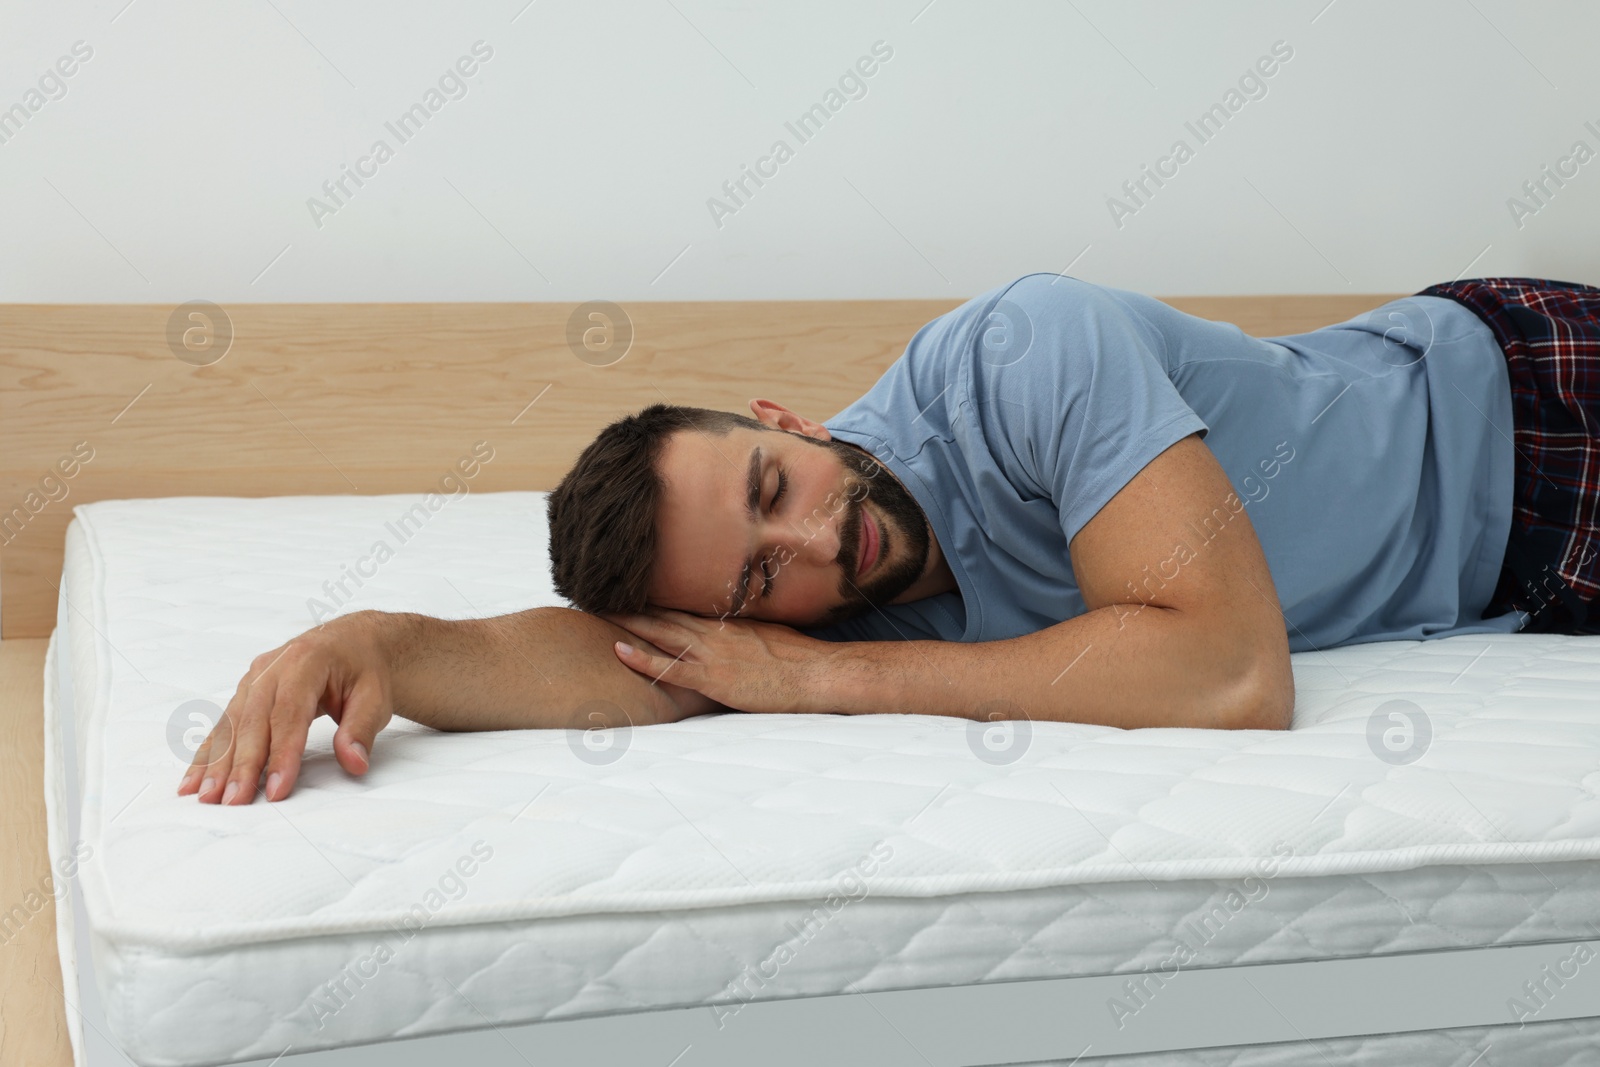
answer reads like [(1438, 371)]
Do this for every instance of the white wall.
[(180, 161)]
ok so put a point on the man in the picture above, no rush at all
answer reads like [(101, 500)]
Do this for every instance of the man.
[(1064, 501)]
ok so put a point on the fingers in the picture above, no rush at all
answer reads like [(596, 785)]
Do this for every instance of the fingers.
[(202, 775), (265, 726), (197, 767), (667, 633), (270, 713), (208, 771), (367, 710), (654, 666), (274, 699), (288, 743)]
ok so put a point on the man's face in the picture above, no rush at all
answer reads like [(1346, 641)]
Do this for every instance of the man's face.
[(796, 556)]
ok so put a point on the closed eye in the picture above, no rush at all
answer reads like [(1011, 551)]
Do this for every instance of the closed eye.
[(769, 569)]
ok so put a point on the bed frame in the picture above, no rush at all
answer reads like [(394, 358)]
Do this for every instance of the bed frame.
[(366, 399)]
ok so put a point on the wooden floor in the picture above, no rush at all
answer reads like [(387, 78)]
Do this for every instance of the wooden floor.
[(33, 1024)]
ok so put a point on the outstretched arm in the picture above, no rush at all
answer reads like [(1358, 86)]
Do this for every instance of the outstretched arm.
[(546, 667)]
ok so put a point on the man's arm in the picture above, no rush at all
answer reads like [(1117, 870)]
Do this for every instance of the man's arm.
[(546, 667), (1183, 629), (1184, 626), (549, 668)]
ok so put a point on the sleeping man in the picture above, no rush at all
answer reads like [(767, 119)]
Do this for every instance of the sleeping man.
[(1062, 502)]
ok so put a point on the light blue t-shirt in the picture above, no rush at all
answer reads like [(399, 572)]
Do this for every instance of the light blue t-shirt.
[(1373, 457)]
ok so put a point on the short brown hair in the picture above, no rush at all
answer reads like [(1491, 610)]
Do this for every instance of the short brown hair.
[(603, 514)]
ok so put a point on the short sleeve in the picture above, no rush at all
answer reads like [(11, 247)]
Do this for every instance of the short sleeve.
[(1070, 390)]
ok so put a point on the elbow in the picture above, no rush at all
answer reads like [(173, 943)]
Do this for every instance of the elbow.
[(1266, 703)]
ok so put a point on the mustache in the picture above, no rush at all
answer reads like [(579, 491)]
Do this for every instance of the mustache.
[(861, 473), (850, 543)]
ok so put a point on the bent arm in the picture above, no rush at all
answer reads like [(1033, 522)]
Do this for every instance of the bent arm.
[(540, 668), (1113, 666), (1184, 627)]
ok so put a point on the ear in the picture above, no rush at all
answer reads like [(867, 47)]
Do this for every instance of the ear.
[(775, 416)]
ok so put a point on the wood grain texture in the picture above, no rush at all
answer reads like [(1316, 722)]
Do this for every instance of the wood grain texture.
[(384, 398), (33, 1021)]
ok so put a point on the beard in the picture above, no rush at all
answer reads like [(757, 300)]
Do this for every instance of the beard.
[(902, 520)]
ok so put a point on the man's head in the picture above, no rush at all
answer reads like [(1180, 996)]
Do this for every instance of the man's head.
[(718, 514)]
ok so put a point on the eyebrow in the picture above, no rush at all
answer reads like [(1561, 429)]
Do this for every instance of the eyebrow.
[(752, 494), (752, 507)]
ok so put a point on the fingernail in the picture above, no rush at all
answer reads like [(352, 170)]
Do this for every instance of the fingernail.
[(273, 781), (361, 750), (625, 648), (186, 780), (228, 793), (207, 785)]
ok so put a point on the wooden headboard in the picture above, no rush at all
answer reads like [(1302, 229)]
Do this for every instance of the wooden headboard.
[(385, 398)]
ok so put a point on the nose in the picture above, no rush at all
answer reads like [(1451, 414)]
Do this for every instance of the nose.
[(815, 539)]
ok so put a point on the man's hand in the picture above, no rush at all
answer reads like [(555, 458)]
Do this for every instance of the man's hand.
[(738, 663), (541, 668), (340, 669)]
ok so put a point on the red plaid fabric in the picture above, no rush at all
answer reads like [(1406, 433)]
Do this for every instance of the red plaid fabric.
[(1550, 333)]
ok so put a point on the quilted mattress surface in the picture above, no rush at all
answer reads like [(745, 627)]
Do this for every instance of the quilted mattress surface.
[(1431, 795)]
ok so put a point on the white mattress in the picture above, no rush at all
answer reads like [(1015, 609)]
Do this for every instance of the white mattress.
[(682, 873)]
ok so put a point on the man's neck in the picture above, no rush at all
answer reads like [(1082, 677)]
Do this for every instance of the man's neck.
[(937, 577)]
